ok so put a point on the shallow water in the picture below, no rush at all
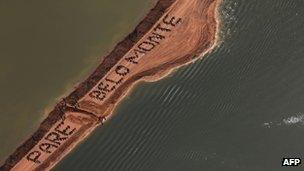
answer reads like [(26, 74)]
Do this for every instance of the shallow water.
[(49, 46), (240, 108)]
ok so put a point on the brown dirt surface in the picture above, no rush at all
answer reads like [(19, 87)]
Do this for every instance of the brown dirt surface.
[(174, 33)]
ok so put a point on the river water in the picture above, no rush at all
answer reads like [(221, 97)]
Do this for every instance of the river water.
[(240, 108), (47, 47)]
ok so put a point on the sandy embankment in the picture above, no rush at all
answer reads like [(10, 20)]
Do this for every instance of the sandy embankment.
[(175, 33)]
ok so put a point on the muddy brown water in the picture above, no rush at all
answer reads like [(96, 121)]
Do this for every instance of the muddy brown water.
[(47, 47), (241, 108)]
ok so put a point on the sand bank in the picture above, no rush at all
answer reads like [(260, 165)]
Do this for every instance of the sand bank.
[(174, 33)]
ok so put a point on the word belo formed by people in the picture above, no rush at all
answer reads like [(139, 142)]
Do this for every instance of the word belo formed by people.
[(157, 35), (51, 141)]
